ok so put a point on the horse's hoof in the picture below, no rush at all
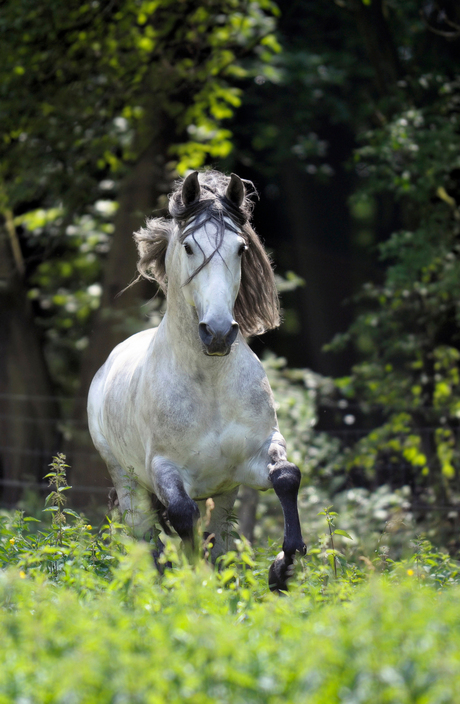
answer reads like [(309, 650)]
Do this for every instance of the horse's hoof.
[(295, 548), (280, 571)]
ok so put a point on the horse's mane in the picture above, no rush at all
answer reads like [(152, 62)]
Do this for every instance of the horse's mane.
[(257, 304)]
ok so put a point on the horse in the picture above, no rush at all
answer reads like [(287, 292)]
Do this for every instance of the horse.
[(184, 412)]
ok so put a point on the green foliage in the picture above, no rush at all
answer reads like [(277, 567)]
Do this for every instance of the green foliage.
[(409, 333), (298, 395), (396, 644), (92, 619), (99, 74), (85, 616), (108, 81)]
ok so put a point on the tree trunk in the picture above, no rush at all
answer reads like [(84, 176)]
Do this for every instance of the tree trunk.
[(377, 38), (28, 411), (119, 315), (322, 259)]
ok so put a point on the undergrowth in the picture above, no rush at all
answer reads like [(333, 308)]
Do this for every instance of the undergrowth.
[(85, 616)]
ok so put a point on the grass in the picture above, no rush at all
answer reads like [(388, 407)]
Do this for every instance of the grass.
[(85, 617)]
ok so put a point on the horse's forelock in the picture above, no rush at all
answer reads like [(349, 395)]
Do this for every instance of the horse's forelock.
[(257, 306), (213, 185)]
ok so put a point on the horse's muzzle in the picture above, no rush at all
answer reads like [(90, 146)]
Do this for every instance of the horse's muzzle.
[(217, 342)]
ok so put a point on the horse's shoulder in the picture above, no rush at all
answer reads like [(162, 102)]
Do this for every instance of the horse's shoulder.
[(139, 341), (250, 366), (122, 361), (249, 383), (131, 348)]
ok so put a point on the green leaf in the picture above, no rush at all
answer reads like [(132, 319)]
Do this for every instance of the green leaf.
[(247, 560), (70, 512), (335, 553), (338, 531)]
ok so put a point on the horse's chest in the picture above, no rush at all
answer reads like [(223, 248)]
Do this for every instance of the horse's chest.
[(206, 432), (224, 443), (204, 429), (210, 462)]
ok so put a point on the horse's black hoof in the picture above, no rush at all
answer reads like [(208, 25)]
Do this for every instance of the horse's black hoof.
[(183, 515), (294, 548), (157, 554), (280, 571)]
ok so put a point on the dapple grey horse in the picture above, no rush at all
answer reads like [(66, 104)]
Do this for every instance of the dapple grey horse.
[(187, 406)]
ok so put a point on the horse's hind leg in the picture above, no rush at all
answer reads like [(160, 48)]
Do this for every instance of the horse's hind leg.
[(160, 511), (219, 525), (132, 500), (135, 506), (158, 550)]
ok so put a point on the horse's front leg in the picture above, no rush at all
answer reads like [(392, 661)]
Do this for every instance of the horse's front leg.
[(285, 479), (182, 512)]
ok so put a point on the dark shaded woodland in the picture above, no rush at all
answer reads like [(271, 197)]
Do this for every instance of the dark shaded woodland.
[(343, 114)]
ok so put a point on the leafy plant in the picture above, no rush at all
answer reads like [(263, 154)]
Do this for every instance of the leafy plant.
[(334, 554), (408, 333)]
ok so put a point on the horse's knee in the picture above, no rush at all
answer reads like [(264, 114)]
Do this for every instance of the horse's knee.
[(285, 478)]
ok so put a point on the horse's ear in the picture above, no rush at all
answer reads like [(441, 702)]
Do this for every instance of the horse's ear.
[(235, 191), (191, 189)]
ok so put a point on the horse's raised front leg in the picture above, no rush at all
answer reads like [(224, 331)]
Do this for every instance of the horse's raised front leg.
[(285, 478), (182, 511)]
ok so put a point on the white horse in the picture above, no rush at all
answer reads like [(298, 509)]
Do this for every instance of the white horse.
[(187, 406)]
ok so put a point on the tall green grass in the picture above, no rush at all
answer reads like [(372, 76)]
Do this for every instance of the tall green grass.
[(85, 617)]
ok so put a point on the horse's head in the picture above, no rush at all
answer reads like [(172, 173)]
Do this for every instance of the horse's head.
[(212, 247), (209, 256)]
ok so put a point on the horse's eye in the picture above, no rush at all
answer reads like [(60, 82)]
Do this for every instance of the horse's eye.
[(188, 249), (242, 249)]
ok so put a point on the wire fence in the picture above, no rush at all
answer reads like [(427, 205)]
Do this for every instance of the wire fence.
[(41, 486), (17, 410), (67, 424)]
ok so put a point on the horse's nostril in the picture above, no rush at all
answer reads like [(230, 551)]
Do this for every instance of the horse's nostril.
[(232, 333), (216, 339), (206, 333)]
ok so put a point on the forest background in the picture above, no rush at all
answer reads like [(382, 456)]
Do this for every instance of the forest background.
[(345, 115)]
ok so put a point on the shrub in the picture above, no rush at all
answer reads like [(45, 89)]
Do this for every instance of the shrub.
[(85, 617), (188, 639)]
